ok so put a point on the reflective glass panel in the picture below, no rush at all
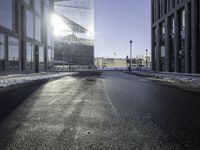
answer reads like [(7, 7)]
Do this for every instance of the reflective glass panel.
[(37, 6), (41, 58), (6, 13), (28, 2), (29, 55), (29, 24), (13, 53), (49, 58), (2, 52), (37, 29)]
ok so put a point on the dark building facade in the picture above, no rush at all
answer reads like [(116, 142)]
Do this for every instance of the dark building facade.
[(26, 43), (176, 35)]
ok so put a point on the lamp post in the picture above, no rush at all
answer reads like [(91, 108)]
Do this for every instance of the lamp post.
[(130, 67), (146, 58)]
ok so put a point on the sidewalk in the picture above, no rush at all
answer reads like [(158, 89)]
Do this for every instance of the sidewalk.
[(181, 79), (17, 79)]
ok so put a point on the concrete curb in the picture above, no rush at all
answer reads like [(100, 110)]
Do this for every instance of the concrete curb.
[(176, 79)]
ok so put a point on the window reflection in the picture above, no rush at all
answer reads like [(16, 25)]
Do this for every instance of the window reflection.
[(41, 58), (13, 53), (49, 58), (29, 55), (28, 2), (29, 24), (2, 52), (6, 13), (37, 29), (37, 6)]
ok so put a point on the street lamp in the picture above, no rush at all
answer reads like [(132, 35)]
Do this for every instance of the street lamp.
[(146, 58), (130, 67)]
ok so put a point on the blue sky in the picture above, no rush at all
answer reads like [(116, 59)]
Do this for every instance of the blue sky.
[(118, 21)]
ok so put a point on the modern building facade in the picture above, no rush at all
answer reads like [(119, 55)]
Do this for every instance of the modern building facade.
[(75, 46), (176, 35), (26, 42)]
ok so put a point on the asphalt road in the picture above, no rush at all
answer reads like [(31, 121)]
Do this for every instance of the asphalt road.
[(108, 111)]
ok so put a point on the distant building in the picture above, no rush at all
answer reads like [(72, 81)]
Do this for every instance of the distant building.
[(176, 35), (75, 46), (26, 43), (110, 62)]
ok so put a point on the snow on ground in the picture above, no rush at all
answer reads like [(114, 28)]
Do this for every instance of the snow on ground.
[(187, 80), (11, 80)]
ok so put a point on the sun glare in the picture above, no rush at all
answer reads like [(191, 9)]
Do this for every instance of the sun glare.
[(59, 26)]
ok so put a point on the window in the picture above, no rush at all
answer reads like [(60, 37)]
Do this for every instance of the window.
[(41, 58), (28, 2), (37, 29), (163, 30), (37, 6), (49, 58), (49, 36), (183, 20), (2, 52), (13, 53), (172, 27), (46, 2), (29, 55), (6, 13), (29, 24)]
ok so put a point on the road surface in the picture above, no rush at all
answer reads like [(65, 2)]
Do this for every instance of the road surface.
[(113, 110)]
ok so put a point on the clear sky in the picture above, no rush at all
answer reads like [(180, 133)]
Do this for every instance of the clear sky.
[(118, 21)]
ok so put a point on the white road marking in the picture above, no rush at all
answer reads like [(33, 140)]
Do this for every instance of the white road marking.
[(110, 100)]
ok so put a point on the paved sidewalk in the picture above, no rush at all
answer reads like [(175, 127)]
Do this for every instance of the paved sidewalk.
[(181, 79), (17, 79)]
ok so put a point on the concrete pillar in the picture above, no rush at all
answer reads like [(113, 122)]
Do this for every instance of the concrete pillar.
[(158, 45), (194, 18), (167, 44), (187, 38), (177, 42)]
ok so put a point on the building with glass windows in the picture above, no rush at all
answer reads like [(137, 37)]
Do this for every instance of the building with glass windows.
[(176, 35), (74, 45), (26, 43)]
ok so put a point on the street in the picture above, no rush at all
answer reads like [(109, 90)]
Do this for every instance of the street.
[(112, 110)]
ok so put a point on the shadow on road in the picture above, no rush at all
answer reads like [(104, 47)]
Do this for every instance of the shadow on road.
[(13, 97)]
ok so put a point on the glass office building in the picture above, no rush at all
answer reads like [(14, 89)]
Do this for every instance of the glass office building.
[(176, 35), (25, 40), (75, 44)]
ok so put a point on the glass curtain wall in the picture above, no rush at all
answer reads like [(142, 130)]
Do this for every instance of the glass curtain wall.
[(6, 10), (172, 39), (182, 35), (38, 29), (81, 15), (41, 58), (29, 55), (13, 53), (49, 58), (162, 56), (2, 52), (29, 24)]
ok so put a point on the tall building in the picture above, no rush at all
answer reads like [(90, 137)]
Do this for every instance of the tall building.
[(26, 43), (176, 35), (74, 45)]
